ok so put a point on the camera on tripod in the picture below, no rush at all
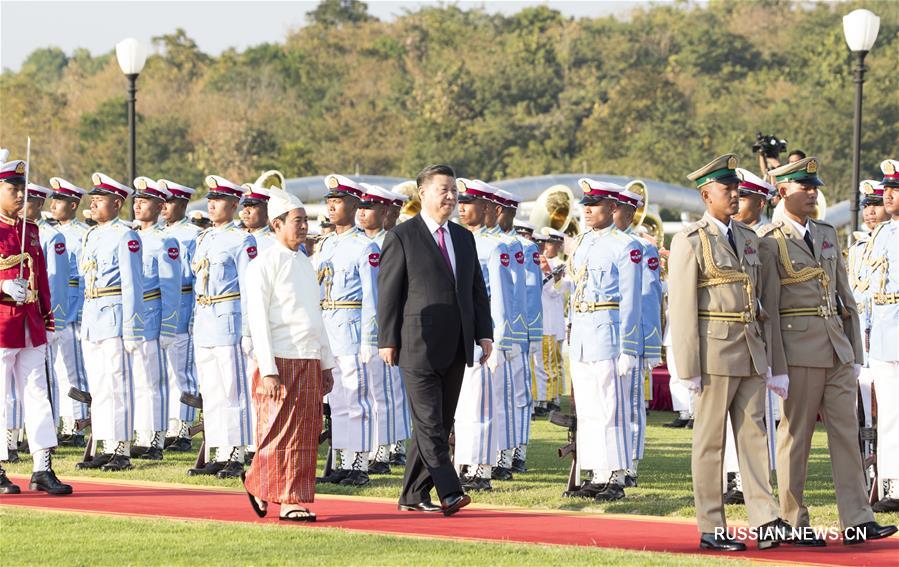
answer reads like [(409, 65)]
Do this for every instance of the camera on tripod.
[(768, 146)]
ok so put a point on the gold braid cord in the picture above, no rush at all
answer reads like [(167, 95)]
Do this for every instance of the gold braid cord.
[(14, 260), (89, 268), (201, 269), (794, 276)]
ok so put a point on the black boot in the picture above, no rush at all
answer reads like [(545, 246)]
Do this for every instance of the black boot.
[(12, 456), (95, 463), (377, 467), (209, 469), (356, 478), (612, 492), (178, 444), (46, 481), (6, 485), (335, 477), (118, 463), (886, 505), (152, 454), (232, 469)]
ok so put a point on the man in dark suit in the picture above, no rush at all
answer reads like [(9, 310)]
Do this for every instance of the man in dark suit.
[(432, 307)]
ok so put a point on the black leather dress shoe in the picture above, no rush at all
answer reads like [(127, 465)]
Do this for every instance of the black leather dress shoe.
[(722, 543), (612, 492), (334, 478), (677, 423), (886, 505), (12, 456), (46, 481), (7, 486), (734, 496), (232, 469), (454, 503), (95, 463), (476, 484), (865, 532), (420, 507), (117, 463), (355, 478), (518, 466), (774, 533), (501, 473), (805, 536), (209, 469), (178, 444), (378, 467), (152, 454)]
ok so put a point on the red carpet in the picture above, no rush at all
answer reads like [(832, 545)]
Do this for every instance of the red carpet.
[(477, 523)]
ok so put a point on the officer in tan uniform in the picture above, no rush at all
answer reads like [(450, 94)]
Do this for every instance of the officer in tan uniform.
[(715, 276), (819, 351)]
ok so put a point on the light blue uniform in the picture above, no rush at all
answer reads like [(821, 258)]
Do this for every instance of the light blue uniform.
[(605, 323), (180, 365), (484, 419), (112, 268), (68, 360), (264, 237), (54, 244), (219, 264), (533, 284), (347, 266), (393, 422)]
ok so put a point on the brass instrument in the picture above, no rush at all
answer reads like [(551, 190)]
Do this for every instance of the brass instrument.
[(271, 178), (411, 207), (554, 208), (639, 188)]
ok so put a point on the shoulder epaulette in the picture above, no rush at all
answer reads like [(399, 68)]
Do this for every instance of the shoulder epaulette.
[(822, 223), (769, 228), (690, 229)]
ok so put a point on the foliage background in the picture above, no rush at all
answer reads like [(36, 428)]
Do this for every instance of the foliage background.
[(496, 96)]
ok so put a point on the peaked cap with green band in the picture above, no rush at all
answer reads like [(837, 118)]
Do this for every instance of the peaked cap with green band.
[(804, 171), (722, 169)]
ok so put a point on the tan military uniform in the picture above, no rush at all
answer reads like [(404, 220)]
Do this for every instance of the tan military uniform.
[(817, 348), (714, 319)]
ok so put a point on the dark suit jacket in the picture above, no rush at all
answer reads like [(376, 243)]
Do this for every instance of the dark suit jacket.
[(422, 309)]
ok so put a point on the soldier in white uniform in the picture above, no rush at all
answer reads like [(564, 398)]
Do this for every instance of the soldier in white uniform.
[(606, 341), (392, 420), (347, 264), (162, 305), (223, 342), (66, 356), (179, 355), (112, 268), (549, 370)]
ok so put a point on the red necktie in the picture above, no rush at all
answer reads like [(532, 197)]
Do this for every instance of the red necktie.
[(441, 243)]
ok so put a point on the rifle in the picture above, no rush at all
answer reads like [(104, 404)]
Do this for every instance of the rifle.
[(81, 424), (560, 269), (325, 436), (196, 401), (868, 440), (570, 423)]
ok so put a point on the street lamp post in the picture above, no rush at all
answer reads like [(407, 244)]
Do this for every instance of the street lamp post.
[(131, 56), (860, 28)]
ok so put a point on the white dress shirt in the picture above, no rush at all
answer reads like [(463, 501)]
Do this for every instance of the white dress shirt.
[(284, 311), (800, 228), (447, 239), (722, 228)]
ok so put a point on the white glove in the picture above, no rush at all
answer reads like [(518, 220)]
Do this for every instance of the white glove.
[(536, 347), (166, 341), (693, 384), (779, 384), (650, 363), (17, 289), (132, 346), (496, 357), (368, 352), (626, 364), (52, 338), (246, 345), (857, 370)]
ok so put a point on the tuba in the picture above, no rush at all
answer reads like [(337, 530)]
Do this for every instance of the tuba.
[(638, 187), (271, 178), (554, 208), (411, 207)]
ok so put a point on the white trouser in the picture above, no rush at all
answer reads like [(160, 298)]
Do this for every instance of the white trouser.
[(638, 411), (23, 377), (504, 415), (521, 397), (865, 382), (389, 403), (681, 398), (68, 365), (476, 419), (151, 388), (225, 388), (603, 416), (111, 383), (886, 387), (352, 418), (182, 376)]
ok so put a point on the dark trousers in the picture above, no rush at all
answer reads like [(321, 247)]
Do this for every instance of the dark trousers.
[(432, 395)]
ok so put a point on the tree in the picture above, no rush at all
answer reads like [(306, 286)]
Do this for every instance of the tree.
[(334, 13)]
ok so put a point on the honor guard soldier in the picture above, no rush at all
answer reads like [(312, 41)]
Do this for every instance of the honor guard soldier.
[(529, 264), (606, 341), (392, 421), (347, 263), (882, 268), (25, 320), (754, 194), (395, 208), (112, 268), (481, 412), (549, 372), (629, 201), (715, 281), (179, 356), (254, 215), (819, 351), (66, 356), (162, 304), (223, 343)]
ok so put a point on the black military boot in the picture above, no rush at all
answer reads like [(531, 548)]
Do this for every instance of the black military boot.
[(46, 481), (96, 462), (6, 485), (209, 469), (119, 461)]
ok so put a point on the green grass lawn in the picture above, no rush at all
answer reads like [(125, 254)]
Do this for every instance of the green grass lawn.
[(665, 490)]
